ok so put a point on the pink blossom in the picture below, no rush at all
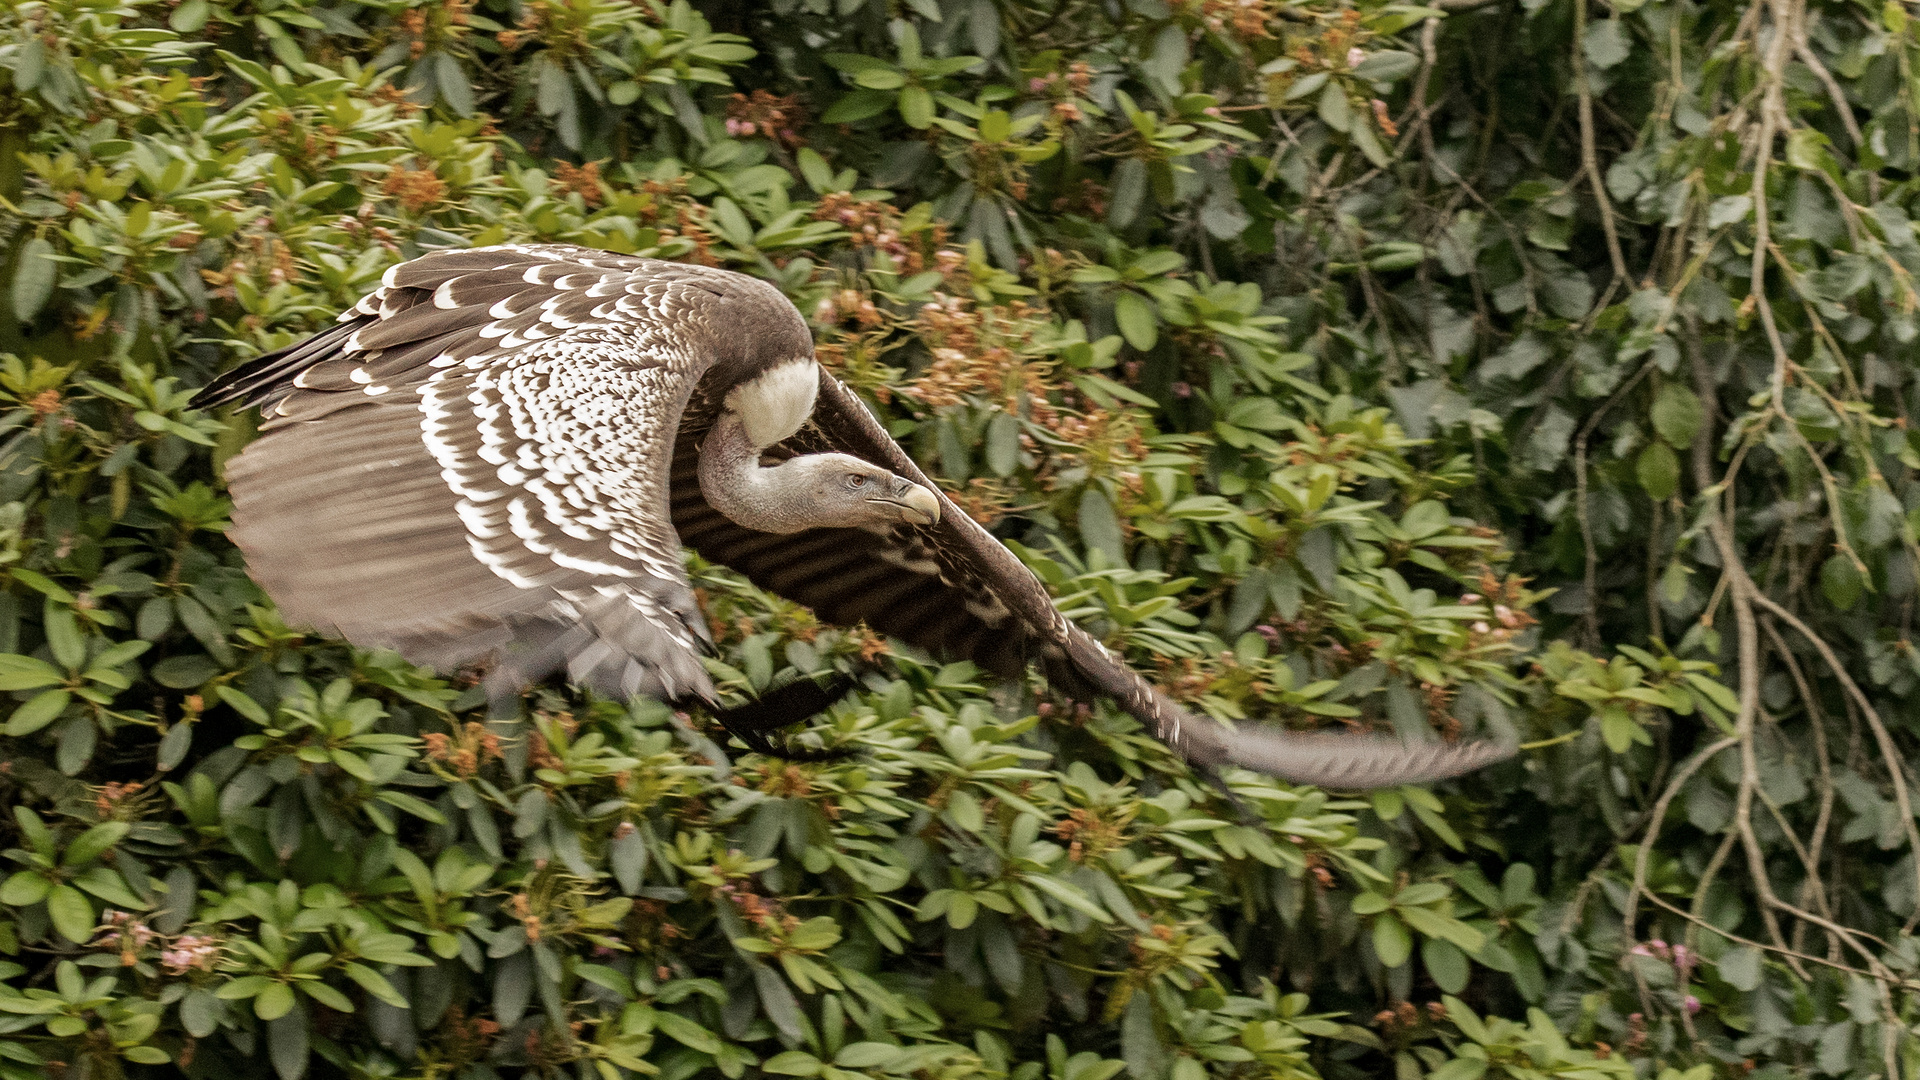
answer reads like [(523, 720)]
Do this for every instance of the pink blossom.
[(1685, 960), (1355, 57), (1036, 85), (1693, 1004), (119, 929), (1182, 390), (190, 951)]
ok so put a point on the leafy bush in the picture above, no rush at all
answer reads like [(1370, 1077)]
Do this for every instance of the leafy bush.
[(1463, 368)]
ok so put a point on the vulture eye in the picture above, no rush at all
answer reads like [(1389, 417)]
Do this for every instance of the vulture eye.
[(856, 481)]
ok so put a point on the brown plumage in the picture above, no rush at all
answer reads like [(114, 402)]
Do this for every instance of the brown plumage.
[(498, 453)]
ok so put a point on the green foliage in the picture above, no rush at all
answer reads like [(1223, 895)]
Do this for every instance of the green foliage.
[(1532, 369)]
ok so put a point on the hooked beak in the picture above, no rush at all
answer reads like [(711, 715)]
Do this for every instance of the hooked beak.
[(922, 506)]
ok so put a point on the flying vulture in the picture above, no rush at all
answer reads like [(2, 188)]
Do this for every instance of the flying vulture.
[(498, 454)]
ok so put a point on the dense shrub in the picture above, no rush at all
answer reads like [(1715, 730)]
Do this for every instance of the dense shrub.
[(1540, 369)]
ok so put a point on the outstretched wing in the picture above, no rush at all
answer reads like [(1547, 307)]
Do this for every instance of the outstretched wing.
[(974, 566), (889, 578), (474, 464)]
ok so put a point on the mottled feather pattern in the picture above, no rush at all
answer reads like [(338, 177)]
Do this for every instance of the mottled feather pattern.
[(547, 386)]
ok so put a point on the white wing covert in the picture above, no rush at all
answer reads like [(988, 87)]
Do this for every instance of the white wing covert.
[(496, 480)]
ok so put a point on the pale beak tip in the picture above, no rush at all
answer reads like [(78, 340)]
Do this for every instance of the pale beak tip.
[(925, 502)]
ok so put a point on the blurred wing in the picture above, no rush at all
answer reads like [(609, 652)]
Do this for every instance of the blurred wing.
[(975, 565), (474, 463)]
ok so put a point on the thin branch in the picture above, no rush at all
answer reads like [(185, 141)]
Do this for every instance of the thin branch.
[(1817, 721), (1589, 157), (1631, 907), (1896, 764), (1904, 984)]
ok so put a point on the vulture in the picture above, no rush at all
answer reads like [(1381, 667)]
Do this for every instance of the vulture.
[(497, 456)]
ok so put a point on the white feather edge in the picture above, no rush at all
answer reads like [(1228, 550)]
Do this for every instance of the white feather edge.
[(773, 404)]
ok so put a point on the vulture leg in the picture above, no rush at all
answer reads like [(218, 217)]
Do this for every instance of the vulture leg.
[(783, 707)]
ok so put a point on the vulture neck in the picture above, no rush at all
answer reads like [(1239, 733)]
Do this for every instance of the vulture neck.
[(755, 415)]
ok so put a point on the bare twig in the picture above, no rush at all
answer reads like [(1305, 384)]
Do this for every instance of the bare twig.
[(1692, 917), (1630, 908), (1895, 762), (1592, 614), (1589, 157), (1817, 721)]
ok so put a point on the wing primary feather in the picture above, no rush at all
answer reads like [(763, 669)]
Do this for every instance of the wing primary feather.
[(781, 707), (253, 382)]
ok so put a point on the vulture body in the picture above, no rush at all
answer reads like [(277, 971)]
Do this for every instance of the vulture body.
[(498, 454)]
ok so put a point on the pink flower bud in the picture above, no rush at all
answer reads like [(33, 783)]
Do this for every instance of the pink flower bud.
[(1355, 57)]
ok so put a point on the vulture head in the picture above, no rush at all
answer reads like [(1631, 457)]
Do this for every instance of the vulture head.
[(809, 491), (498, 456), (844, 490)]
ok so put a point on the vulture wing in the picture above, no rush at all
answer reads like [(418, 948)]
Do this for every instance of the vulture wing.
[(951, 587), (890, 579), (489, 436)]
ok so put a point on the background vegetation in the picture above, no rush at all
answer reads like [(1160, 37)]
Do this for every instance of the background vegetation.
[(1539, 367)]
